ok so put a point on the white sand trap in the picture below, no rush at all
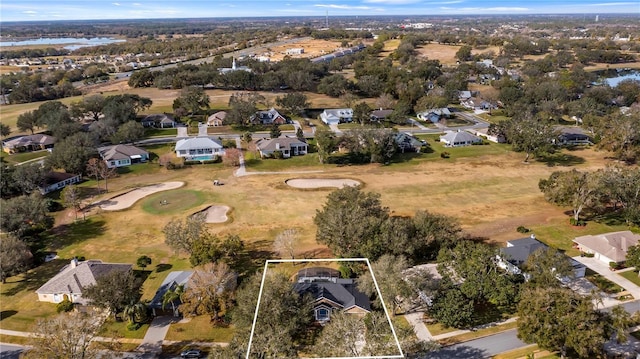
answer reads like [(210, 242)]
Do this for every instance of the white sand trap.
[(127, 200), (321, 182), (215, 214)]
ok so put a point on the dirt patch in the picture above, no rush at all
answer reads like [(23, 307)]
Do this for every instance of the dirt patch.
[(128, 199), (215, 214), (312, 48), (321, 182), (446, 54)]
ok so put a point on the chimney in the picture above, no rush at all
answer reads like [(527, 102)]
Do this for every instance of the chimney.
[(74, 262), (277, 146)]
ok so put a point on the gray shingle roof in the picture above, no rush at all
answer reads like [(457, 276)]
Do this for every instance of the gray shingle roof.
[(454, 137), (197, 143), (73, 279), (173, 280), (120, 152), (31, 140), (345, 294), (284, 142)]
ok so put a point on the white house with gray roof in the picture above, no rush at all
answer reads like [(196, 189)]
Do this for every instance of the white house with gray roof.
[(608, 247), (199, 148), (74, 277), (289, 146), (459, 138), (336, 116), (122, 155)]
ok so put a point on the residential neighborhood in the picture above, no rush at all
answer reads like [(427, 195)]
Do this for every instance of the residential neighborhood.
[(456, 181)]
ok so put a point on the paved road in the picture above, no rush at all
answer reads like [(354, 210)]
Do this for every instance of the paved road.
[(481, 348), (10, 351)]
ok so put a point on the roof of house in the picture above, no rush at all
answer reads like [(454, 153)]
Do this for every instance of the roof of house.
[(73, 278), (173, 280), (269, 114), (220, 115), (158, 118), (459, 136), (464, 94), (56, 177), (338, 112), (196, 143), (346, 295), (37, 139), (518, 250), (271, 144), (613, 245), (120, 152), (381, 113), (404, 139), (444, 111)]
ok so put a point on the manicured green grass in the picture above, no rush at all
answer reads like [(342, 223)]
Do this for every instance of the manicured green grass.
[(631, 276), (478, 333), (199, 329), (23, 156), (14, 339), (294, 163), (172, 202), (112, 328), (155, 132), (559, 233), (437, 329), (139, 169)]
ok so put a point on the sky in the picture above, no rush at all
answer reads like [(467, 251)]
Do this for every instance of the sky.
[(29, 10)]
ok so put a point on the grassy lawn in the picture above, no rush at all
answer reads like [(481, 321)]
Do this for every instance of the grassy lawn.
[(294, 163), (14, 339), (524, 352), (437, 329), (155, 132), (602, 283), (199, 329), (631, 276), (478, 333), (22, 157), (172, 202), (112, 328), (558, 233)]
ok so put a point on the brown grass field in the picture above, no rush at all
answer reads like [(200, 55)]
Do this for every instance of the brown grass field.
[(446, 54), (312, 48)]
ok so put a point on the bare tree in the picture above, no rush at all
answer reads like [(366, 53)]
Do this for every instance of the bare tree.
[(210, 291), (71, 198), (231, 157), (285, 242), (98, 168), (66, 336)]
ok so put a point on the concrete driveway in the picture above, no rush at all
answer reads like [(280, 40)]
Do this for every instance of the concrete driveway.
[(603, 269)]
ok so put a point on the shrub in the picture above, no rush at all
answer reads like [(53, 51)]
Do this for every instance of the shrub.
[(523, 229), (278, 155), (575, 222), (587, 255), (64, 306), (229, 144), (143, 261), (133, 326), (445, 154), (174, 166)]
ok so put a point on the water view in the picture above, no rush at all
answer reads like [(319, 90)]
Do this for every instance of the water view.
[(626, 75), (74, 43)]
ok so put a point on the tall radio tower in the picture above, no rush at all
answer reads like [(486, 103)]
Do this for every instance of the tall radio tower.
[(326, 21)]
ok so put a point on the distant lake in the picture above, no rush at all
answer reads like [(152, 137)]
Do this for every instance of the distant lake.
[(627, 75), (74, 42)]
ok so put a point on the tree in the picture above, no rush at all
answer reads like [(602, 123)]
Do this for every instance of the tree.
[(89, 106), (141, 78), (180, 235), (531, 136), (373, 145), (24, 215), (15, 257), (294, 103), (546, 266), (27, 121), (334, 85), (289, 316), (452, 308), (135, 312), (113, 291), (362, 113), (349, 221), (559, 319), (143, 261), (209, 291), (193, 99), (72, 153), (275, 132), (130, 131), (66, 336), (576, 189), (388, 271), (464, 53), (341, 337), (28, 177), (620, 322), (325, 143), (5, 130), (633, 257), (232, 157), (242, 106), (98, 168), (70, 196), (621, 135), (622, 187), (285, 243), (172, 296)]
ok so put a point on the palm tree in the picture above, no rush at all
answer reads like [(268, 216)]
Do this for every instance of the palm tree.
[(172, 296), (135, 312)]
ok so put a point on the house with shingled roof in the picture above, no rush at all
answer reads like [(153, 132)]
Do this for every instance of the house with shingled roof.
[(289, 146), (459, 138), (331, 293), (173, 281), (608, 247), (28, 143), (74, 277), (122, 155)]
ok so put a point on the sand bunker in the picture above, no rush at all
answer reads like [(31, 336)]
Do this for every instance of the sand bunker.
[(215, 214), (127, 200), (321, 182)]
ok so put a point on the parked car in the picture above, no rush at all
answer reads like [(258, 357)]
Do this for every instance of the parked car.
[(191, 353)]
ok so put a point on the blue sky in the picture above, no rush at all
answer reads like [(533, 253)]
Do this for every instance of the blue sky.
[(24, 10)]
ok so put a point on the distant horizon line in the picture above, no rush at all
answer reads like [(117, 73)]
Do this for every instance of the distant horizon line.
[(607, 14)]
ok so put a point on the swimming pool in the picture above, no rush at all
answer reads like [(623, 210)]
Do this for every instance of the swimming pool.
[(201, 158)]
